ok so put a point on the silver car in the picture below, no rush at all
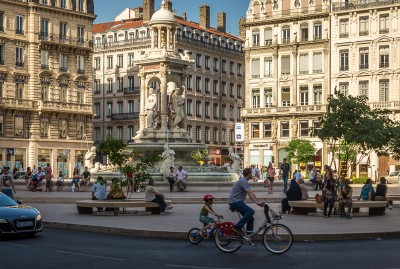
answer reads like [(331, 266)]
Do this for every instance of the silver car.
[(394, 177)]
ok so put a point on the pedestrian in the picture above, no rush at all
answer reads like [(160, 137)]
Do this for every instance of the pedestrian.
[(48, 176), (82, 185), (60, 181), (329, 193), (271, 175), (292, 194), (152, 195), (181, 177), (367, 191), (328, 175), (344, 197), (99, 191), (7, 182), (75, 179), (381, 192), (15, 172), (171, 178), (28, 176), (285, 168), (315, 178)]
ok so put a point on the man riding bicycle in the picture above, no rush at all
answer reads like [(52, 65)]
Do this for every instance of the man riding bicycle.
[(236, 202)]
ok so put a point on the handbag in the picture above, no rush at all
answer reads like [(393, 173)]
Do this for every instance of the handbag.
[(319, 198)]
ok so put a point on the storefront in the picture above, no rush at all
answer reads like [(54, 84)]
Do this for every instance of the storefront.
[(63, 156), (13, 157), (44, 157), (80, 160)]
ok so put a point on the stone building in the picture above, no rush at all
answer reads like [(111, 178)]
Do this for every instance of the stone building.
[(214, 83), (45, 83), (287, 62), (365, 61)]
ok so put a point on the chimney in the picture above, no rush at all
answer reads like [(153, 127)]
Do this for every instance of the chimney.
[(205, 16), (138, 12), (242, 28), (184, 16), (148, 9), (221, 22)]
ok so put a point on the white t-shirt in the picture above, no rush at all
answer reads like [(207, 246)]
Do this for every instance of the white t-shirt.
[(180, 175), (149, 195)]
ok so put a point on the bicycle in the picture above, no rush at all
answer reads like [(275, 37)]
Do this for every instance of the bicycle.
[(277, 238), (195, 237)]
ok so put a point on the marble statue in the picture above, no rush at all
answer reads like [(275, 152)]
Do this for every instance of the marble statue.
[(185, 55), (151, 109), (177, 107), (169, 160), (234, 167), (89, 158)]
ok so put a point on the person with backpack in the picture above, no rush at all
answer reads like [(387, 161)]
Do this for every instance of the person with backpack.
[(7, 183)]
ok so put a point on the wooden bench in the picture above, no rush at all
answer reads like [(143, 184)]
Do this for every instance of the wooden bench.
[(86, 206), (307, 206)]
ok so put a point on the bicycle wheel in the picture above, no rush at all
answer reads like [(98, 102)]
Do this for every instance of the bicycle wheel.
[(277, 238), (227, 243), (193, 236)]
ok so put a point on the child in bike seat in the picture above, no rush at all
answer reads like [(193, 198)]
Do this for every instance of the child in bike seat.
[(207, 208)]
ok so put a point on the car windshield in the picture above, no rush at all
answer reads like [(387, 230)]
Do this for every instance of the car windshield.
[(6, 201)]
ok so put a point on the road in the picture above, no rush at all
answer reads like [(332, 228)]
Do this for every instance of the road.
[(69, 250)]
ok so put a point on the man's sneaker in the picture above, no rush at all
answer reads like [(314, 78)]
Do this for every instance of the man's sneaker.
[(163, 213), (238, 230), (348, 216), (169, 207)]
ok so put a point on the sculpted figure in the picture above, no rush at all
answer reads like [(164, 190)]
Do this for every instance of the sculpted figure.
[(89, 158), (169, 160), (235, 166), (177, 107), (151, 108)]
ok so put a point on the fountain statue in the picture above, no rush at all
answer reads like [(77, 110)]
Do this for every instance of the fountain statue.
[(169, 160)]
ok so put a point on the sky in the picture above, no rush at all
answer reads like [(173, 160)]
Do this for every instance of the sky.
[(106, 10)]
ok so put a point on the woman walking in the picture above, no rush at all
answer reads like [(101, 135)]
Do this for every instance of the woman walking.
[(271, 176)]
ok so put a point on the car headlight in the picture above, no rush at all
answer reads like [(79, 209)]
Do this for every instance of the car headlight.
[(38, 218), (3, 221)]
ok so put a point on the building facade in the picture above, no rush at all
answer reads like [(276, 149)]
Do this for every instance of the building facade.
[(45, 83), (214, 84), (365, 61), (287, 62)]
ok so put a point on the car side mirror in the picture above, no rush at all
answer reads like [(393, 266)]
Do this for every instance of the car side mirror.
[(19, 202)]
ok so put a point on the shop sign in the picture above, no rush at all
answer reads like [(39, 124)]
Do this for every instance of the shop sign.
[(239, 132), (261, 145), (10, 151), (318, 163)]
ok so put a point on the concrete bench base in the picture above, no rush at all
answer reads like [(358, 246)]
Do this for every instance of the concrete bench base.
[(86, 206), (375, 208)]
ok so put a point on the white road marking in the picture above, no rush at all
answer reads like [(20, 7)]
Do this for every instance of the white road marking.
[(88, 255), (16, 245), (194, 267)]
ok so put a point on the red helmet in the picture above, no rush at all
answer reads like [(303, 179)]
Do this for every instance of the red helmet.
[(208, 197)]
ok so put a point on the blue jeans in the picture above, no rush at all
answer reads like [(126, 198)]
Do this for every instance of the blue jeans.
[(8, 192), (247, 215), (285, 179), (160, 200)]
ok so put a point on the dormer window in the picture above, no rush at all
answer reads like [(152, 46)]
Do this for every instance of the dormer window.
[(81, 5)]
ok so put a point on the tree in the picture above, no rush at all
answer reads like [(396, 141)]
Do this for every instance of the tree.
[(351, 124), (299, 151), (113, 149)]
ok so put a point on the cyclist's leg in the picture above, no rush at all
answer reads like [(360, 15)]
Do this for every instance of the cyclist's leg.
[(247, 215)]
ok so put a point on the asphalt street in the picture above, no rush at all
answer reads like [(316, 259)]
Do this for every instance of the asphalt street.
[(67, 249)]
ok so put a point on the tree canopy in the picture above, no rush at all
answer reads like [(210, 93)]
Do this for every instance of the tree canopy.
[(299, 151)]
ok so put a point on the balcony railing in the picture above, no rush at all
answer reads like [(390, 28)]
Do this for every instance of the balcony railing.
[(386, 105), (285, 40), (384, 65), (1, 28), (317, 71), (304, 39), (131, 90), (143, 42), (344, 68), (268, 42), (203, 44), (384, 31), (344, 35), (364, 66), (96, 92), (125, 116), (63, 39), (81, 71), (20, 104), (19, 64), (364, 33), (287, 110), (361, 4), (317, 37)]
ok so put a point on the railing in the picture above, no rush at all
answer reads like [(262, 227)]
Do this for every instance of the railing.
[(73, 108), (268, 42), (125, 116), (13, 103), (96, 92), (317, 37), (131, 90), (317, 71), (256, 112), (360, 4), (364, 66), (344, 68), (19, 64), (209, 46), (384, 65), (384, 31), (81, 71), (1, 28), (68, 40), (364, 33), (1, 62), (387, 105), (344, 35), (139, 41)]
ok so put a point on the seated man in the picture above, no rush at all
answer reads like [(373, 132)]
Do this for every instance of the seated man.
[(82, 185), (152, 195), (344, 196), (99, 191)]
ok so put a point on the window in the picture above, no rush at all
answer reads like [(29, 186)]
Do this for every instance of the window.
[(285, 65), (109, 85), (1, 22), (364, 26), (317, 30), (19, 126), (44, 28), (109, 109), (207, 134), (231, 90), (223, 66), (344, 28), (2, 128), (63, 31), (303, 64), (96, 133), (207, 85), (317, 94), (304, 95), (239, 70), (239, 91), (1, 54), (97, 86), (80, 64), (215, 111), (131, 59), (44, 59), (384, 56), (80, 5), (268, 67), (223, 112), (110, 131), (304, 129), (44, 92), (268, 97), (231, 137), (285, 129), (44, 127), (120, 61), (80, 129), (256, 37), (63, 3), (120, 84), (19, 91), (344, 88), (255, 68), (223, 88), (189, 108), (238, 114), (96, 109), (316, 125), (62, 128), (384, 23), (189, 83), (255, 96), (63, 95), (255, 130), (198, 60), (231, 65), (285, 34), (198, 134), (198, 108), (97, 63), (215, 87), (19, 56), (109, 62), (80, 96), (215, 64), (120, 107), (19, 25), (317, 62), (207, 109), (189, 131), (223, 136), (364, 55), (198, 84), (207, 62), (344, 60), (131, 106), (268, 36), (131, 133), (81, 34), (383, 90), (267, 130), (363, 88), (304, 32), (285, 96), (231, 110), (63, 62), (215, 136), (120, 132)]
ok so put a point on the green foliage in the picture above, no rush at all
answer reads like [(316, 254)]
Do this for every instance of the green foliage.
[(200, 156), (299, 151), (144, 163), (112, 148), (346, 152)]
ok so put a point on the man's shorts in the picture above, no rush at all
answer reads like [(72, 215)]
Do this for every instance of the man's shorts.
[(205, 220)]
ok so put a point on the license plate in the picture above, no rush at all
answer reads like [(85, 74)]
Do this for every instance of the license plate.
[(22, 224)]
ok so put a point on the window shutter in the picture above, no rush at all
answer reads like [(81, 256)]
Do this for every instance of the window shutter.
[(285, 64), (303, 63), (255, 67), (317, 61)]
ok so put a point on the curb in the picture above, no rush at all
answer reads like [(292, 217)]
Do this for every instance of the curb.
[(182, 235)]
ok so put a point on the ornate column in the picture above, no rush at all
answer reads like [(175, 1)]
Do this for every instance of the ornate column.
[(294, 83), (168, 37), (276, 79), (183, 79), (163, 90), (152, 37), (159, 38), (142, 115)]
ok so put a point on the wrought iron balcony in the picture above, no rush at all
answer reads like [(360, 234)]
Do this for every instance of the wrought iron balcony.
[(125, 116), (131, 90), (67, 40), (362, 4), (384, 65), (364, 33), (344, 35), (283, 110), (344, 68), (364, 66)]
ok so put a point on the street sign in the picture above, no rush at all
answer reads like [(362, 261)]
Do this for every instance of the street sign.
[(239, 132), (10, 151)]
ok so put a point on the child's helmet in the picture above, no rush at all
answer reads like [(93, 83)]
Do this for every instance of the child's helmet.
[(208, 197)]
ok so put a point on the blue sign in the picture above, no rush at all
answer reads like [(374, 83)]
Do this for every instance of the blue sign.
[(10, 151)]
